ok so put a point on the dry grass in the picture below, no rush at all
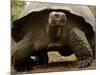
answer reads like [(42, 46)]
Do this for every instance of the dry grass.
[(56, 57)]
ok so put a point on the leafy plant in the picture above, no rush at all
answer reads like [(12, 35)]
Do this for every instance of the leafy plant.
[(16, 8)]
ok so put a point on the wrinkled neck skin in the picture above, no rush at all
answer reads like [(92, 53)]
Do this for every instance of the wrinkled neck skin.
[(54, 32)]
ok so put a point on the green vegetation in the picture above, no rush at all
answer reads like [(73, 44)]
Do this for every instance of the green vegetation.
[(16, 9)]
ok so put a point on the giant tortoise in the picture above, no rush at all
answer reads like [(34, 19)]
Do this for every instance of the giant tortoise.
[(45, 27)]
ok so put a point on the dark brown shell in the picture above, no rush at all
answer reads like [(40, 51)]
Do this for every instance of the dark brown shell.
[(34, 17)]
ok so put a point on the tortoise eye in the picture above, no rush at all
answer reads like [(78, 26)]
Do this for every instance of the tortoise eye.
[(63, 19), (64, 16)]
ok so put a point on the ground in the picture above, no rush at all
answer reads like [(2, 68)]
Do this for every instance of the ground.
[(58, 63)]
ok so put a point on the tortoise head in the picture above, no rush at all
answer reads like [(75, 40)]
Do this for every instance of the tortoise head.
[(57, 18)]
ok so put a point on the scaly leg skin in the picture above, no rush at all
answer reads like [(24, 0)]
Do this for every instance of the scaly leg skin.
[(21, 56), (81, 47)]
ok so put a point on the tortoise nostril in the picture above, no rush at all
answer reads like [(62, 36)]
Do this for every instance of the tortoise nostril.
[(56, 15)]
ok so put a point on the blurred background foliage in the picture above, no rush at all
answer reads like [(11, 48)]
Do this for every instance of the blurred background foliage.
[(16, 8)]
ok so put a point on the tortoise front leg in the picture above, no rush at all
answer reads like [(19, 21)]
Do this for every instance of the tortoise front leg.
[(21, 55), (81, 47)]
